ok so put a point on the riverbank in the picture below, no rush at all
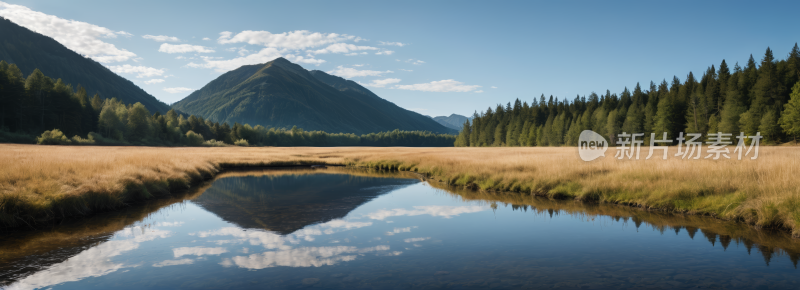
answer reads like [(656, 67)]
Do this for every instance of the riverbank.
[(43, 183)]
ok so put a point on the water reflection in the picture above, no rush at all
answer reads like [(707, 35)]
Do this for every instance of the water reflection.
[(769, 243), (287, 201), (342, 229), (93, 262), (26, 252)]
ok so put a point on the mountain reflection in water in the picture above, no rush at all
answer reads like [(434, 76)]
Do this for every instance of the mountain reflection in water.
[(287, 203), (346, 229)]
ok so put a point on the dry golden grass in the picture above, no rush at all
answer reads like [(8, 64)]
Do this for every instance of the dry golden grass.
[(39, 183)]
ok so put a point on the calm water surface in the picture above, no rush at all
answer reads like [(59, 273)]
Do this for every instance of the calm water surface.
[(327, 229)]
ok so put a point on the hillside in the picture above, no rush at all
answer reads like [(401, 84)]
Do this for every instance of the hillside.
[(282, 94), (30, 50), (454, 121)]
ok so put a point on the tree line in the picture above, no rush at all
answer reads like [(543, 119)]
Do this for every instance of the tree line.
[(759, 97), (40, 104)]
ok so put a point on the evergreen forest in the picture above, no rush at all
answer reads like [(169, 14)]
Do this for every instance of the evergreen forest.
[(760, 97)]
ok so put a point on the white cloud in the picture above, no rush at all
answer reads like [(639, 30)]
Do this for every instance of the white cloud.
[(178, 90), (392, 43), (382, 83), (265, 55), (298, 39), (408, 70), (197, 251), (358, 65), (342, 48), (443, 211), (289, 45), (141, 71), (173, 262), (161, 38), (180, 57), (349, 72), (385, 52), (150, 82), (494, 87), (123, 33), (440, 86), (414, 240), (183, 48), (206, 38), (81, 37), (478, 91)]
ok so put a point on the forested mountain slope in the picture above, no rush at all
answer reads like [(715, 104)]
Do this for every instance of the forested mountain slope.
[(29, 50), (282, 94)]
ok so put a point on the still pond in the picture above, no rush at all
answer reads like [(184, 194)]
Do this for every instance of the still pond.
[(340, 229)]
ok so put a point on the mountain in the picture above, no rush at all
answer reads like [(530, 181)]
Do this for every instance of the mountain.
[(453, 121), (30, 50), (283, 94)]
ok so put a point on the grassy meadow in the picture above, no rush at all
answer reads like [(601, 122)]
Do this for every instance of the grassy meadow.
[(39, 184)]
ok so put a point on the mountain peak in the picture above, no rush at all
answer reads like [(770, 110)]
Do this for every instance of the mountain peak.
[(283, 94), (290, 66)]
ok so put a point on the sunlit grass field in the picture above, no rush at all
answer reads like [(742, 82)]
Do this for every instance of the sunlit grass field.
[(43, 183)]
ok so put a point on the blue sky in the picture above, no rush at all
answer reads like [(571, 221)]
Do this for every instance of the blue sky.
[(456, 56)]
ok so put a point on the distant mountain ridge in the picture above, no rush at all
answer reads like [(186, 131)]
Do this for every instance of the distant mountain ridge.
[(282, 94), (454, 121), (30, 50)]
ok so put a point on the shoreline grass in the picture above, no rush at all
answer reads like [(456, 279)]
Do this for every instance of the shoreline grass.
[(42, 183)]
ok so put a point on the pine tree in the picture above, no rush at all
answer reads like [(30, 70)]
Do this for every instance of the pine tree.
[(499, 135)]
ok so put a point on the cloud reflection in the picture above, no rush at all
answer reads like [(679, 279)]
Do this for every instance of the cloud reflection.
[(413, 240), (302, 257), (93, 262), (400, 230), (433, 210), (271, 240), (173, 262), (197, 251)]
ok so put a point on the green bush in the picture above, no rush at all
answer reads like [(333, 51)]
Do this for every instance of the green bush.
[(241, 142), (53, 137), (81, 141), (214, 143), (194, 139)]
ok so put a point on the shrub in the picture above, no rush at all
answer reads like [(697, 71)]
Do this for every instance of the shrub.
[(194, 139), (214, 143), (53, 137), (81, 141), (241, 142)]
